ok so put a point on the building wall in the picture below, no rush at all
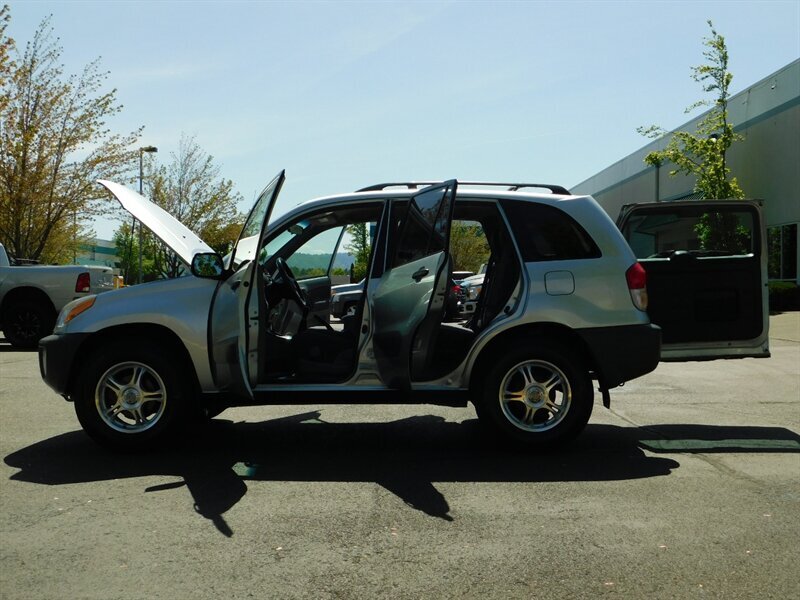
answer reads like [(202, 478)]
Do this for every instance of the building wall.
[(101, 253), (766, 163)]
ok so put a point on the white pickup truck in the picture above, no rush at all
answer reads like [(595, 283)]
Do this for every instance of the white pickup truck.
[(31, 296)]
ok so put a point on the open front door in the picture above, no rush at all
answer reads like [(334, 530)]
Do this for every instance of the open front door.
[(409, 300), (706, 276), (238, 306)]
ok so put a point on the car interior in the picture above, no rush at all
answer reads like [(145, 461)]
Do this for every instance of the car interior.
[(302, 345)]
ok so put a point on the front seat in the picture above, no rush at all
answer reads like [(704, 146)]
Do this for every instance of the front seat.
[(326, 355)]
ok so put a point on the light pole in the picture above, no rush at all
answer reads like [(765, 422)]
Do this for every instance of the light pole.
[(142, 150)]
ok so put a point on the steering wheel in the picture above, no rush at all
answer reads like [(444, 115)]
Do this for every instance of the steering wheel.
[(285, 277)]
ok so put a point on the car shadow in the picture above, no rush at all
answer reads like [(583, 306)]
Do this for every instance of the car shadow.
[(406, 457)]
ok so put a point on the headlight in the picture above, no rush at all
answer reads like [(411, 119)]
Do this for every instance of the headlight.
[(473, 292), (72, 310)]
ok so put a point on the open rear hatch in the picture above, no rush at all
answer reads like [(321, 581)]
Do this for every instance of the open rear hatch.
[(706, 270)]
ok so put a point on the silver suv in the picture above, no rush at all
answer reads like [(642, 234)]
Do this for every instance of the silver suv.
[(563, 304)]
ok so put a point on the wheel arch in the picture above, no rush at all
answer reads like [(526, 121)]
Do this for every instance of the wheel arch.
[(533, 334), (25, 294), (157, 334)]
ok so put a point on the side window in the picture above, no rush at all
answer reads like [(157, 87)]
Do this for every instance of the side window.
[(662, 232), (313, 258), (546, 233), (424, 228), (328, 242)]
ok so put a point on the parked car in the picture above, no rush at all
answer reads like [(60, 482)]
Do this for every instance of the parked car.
[(470, 292), (31, 295), (563, 303), (345, 298)]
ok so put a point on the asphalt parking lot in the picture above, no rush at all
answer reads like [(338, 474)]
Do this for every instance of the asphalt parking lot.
[(688, 487)]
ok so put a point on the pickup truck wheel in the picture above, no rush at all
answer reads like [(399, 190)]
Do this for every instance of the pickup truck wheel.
[(26, 324), (130, 396), (537, 396)]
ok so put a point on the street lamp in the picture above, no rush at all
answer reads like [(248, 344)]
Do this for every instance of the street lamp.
[(142, 150)]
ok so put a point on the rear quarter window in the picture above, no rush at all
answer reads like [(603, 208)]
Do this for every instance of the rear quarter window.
[(547, 233)]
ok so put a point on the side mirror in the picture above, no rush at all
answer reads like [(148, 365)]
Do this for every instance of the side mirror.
[(207, 264)]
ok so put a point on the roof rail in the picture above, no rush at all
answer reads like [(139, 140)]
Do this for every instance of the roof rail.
[(512, 187)]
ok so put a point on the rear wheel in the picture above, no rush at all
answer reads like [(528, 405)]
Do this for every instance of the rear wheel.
[(25, 324), (130, 395), (538, 396)]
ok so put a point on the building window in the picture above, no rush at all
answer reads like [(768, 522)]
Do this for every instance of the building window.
[(782, 251)]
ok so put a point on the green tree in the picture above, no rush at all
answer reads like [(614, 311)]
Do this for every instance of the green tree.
[(703, 153), (468, 246), (360, 248), (54, 144), (191, 189), (126, 240), (6, 47)]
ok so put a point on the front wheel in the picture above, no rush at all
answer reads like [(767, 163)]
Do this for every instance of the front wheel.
[(538, 396), (130, 396)]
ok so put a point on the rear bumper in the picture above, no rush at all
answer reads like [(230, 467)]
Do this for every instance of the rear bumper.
[(623, 353), (57, 358)]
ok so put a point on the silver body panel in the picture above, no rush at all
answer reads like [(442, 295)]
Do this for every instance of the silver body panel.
[(180, 305)]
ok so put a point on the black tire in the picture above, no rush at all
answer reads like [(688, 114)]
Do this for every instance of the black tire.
[(537, 396), (25, 324), (139, 386)]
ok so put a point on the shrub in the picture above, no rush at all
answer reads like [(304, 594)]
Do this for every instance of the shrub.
[(783, 295)]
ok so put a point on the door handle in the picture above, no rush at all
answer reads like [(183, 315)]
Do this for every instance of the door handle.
[(419, 274)]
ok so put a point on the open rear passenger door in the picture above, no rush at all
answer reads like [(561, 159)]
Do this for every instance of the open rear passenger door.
[(706, 270), (409, 300)]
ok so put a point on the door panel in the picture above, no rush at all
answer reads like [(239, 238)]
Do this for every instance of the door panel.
[(706, 276), (409, 299), (229, 317), (238, 308)]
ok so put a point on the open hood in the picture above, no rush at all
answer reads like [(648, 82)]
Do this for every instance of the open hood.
[(180, 239)]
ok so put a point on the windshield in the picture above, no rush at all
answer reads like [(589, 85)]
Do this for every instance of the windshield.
[(280, 240)]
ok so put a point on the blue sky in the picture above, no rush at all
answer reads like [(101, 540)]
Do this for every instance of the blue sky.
[(345, 94)]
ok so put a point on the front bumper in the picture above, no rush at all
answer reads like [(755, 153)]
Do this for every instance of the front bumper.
[(57, 355), (623, 353)]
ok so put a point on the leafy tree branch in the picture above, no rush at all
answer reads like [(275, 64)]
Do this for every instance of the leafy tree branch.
[(703, 153)]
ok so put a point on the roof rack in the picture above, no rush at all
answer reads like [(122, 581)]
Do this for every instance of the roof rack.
[(512, 187)]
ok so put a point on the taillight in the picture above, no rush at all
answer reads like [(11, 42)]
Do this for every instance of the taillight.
[(82, 284), (637, 285), (455, 290)]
